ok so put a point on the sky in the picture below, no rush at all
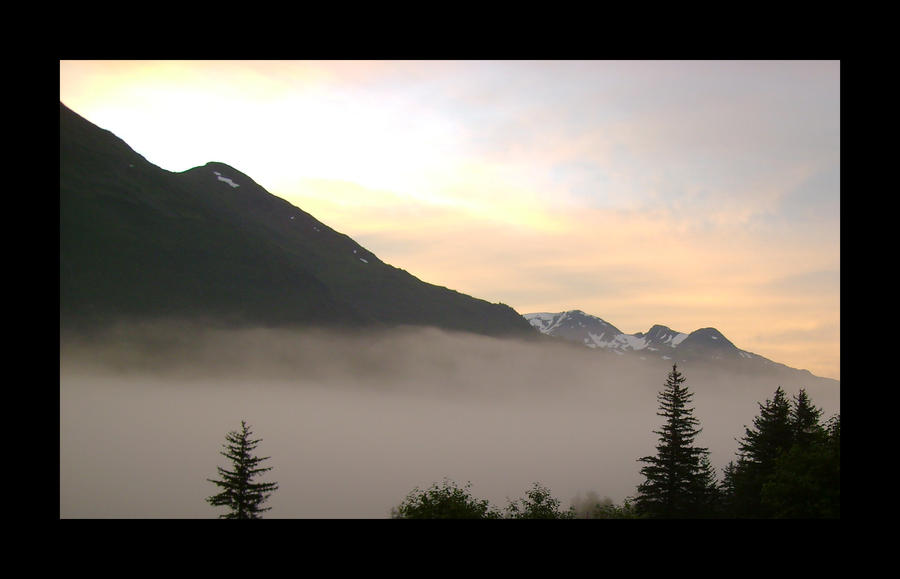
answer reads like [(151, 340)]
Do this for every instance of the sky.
[(685, 193)]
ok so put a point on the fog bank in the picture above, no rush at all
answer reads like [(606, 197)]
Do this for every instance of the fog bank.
[(352, 422)]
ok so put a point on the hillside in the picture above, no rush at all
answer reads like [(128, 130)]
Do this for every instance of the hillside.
[(140, 242)]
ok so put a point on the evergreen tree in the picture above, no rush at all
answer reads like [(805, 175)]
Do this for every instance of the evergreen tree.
[(834, 429), (678, 480), (806, 480), (834, 445), (772, 433), (788, 464), (708, 495), (239, 494), (833, 441), (804, 419), (727, 488), (799, 486)]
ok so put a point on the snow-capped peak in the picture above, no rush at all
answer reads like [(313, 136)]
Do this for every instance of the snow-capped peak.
[(662, 341)]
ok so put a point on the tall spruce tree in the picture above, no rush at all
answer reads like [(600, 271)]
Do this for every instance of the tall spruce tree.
[(679, 482), (242, 496), (772, 435)]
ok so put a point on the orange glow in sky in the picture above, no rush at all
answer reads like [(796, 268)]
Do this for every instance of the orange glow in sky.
[(683, 193)]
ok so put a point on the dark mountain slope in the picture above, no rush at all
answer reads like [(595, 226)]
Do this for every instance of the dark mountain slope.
[(140, 242)]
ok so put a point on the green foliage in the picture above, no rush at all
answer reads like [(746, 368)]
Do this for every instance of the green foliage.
[(788, 464), (806, 480), (772, 433), (609, 510), (444, 501), (678, 480), (805, 421), (727, 492), (592, 506), (804, 484), (242, 496), (707, 497), (538, 503)]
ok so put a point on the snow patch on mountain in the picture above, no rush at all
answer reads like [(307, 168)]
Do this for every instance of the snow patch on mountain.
[(543, 321), (660, 341), (225, 179)]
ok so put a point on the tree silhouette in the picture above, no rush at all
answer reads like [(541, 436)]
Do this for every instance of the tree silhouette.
[(788, 465), (771, 435), (239, 494), (678, 480), (804, 419), (447, 501), (537, 504)]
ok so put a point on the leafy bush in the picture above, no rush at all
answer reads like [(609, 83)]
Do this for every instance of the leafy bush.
[(538, 504), (445, 501)]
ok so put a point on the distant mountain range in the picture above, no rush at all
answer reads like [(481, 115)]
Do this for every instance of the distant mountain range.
[(706, 345), (138, 242)]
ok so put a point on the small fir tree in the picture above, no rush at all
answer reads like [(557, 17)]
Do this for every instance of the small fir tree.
[(708, 495), (242, 496), (678, 480), (728, 488)]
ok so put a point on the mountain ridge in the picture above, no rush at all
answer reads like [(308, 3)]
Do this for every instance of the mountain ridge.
[(659, 342), (138, 241)]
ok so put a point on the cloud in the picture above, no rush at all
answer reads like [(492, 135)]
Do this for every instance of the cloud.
[(352, 422)]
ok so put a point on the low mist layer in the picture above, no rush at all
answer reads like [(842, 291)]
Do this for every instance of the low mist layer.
[(352, 422)]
